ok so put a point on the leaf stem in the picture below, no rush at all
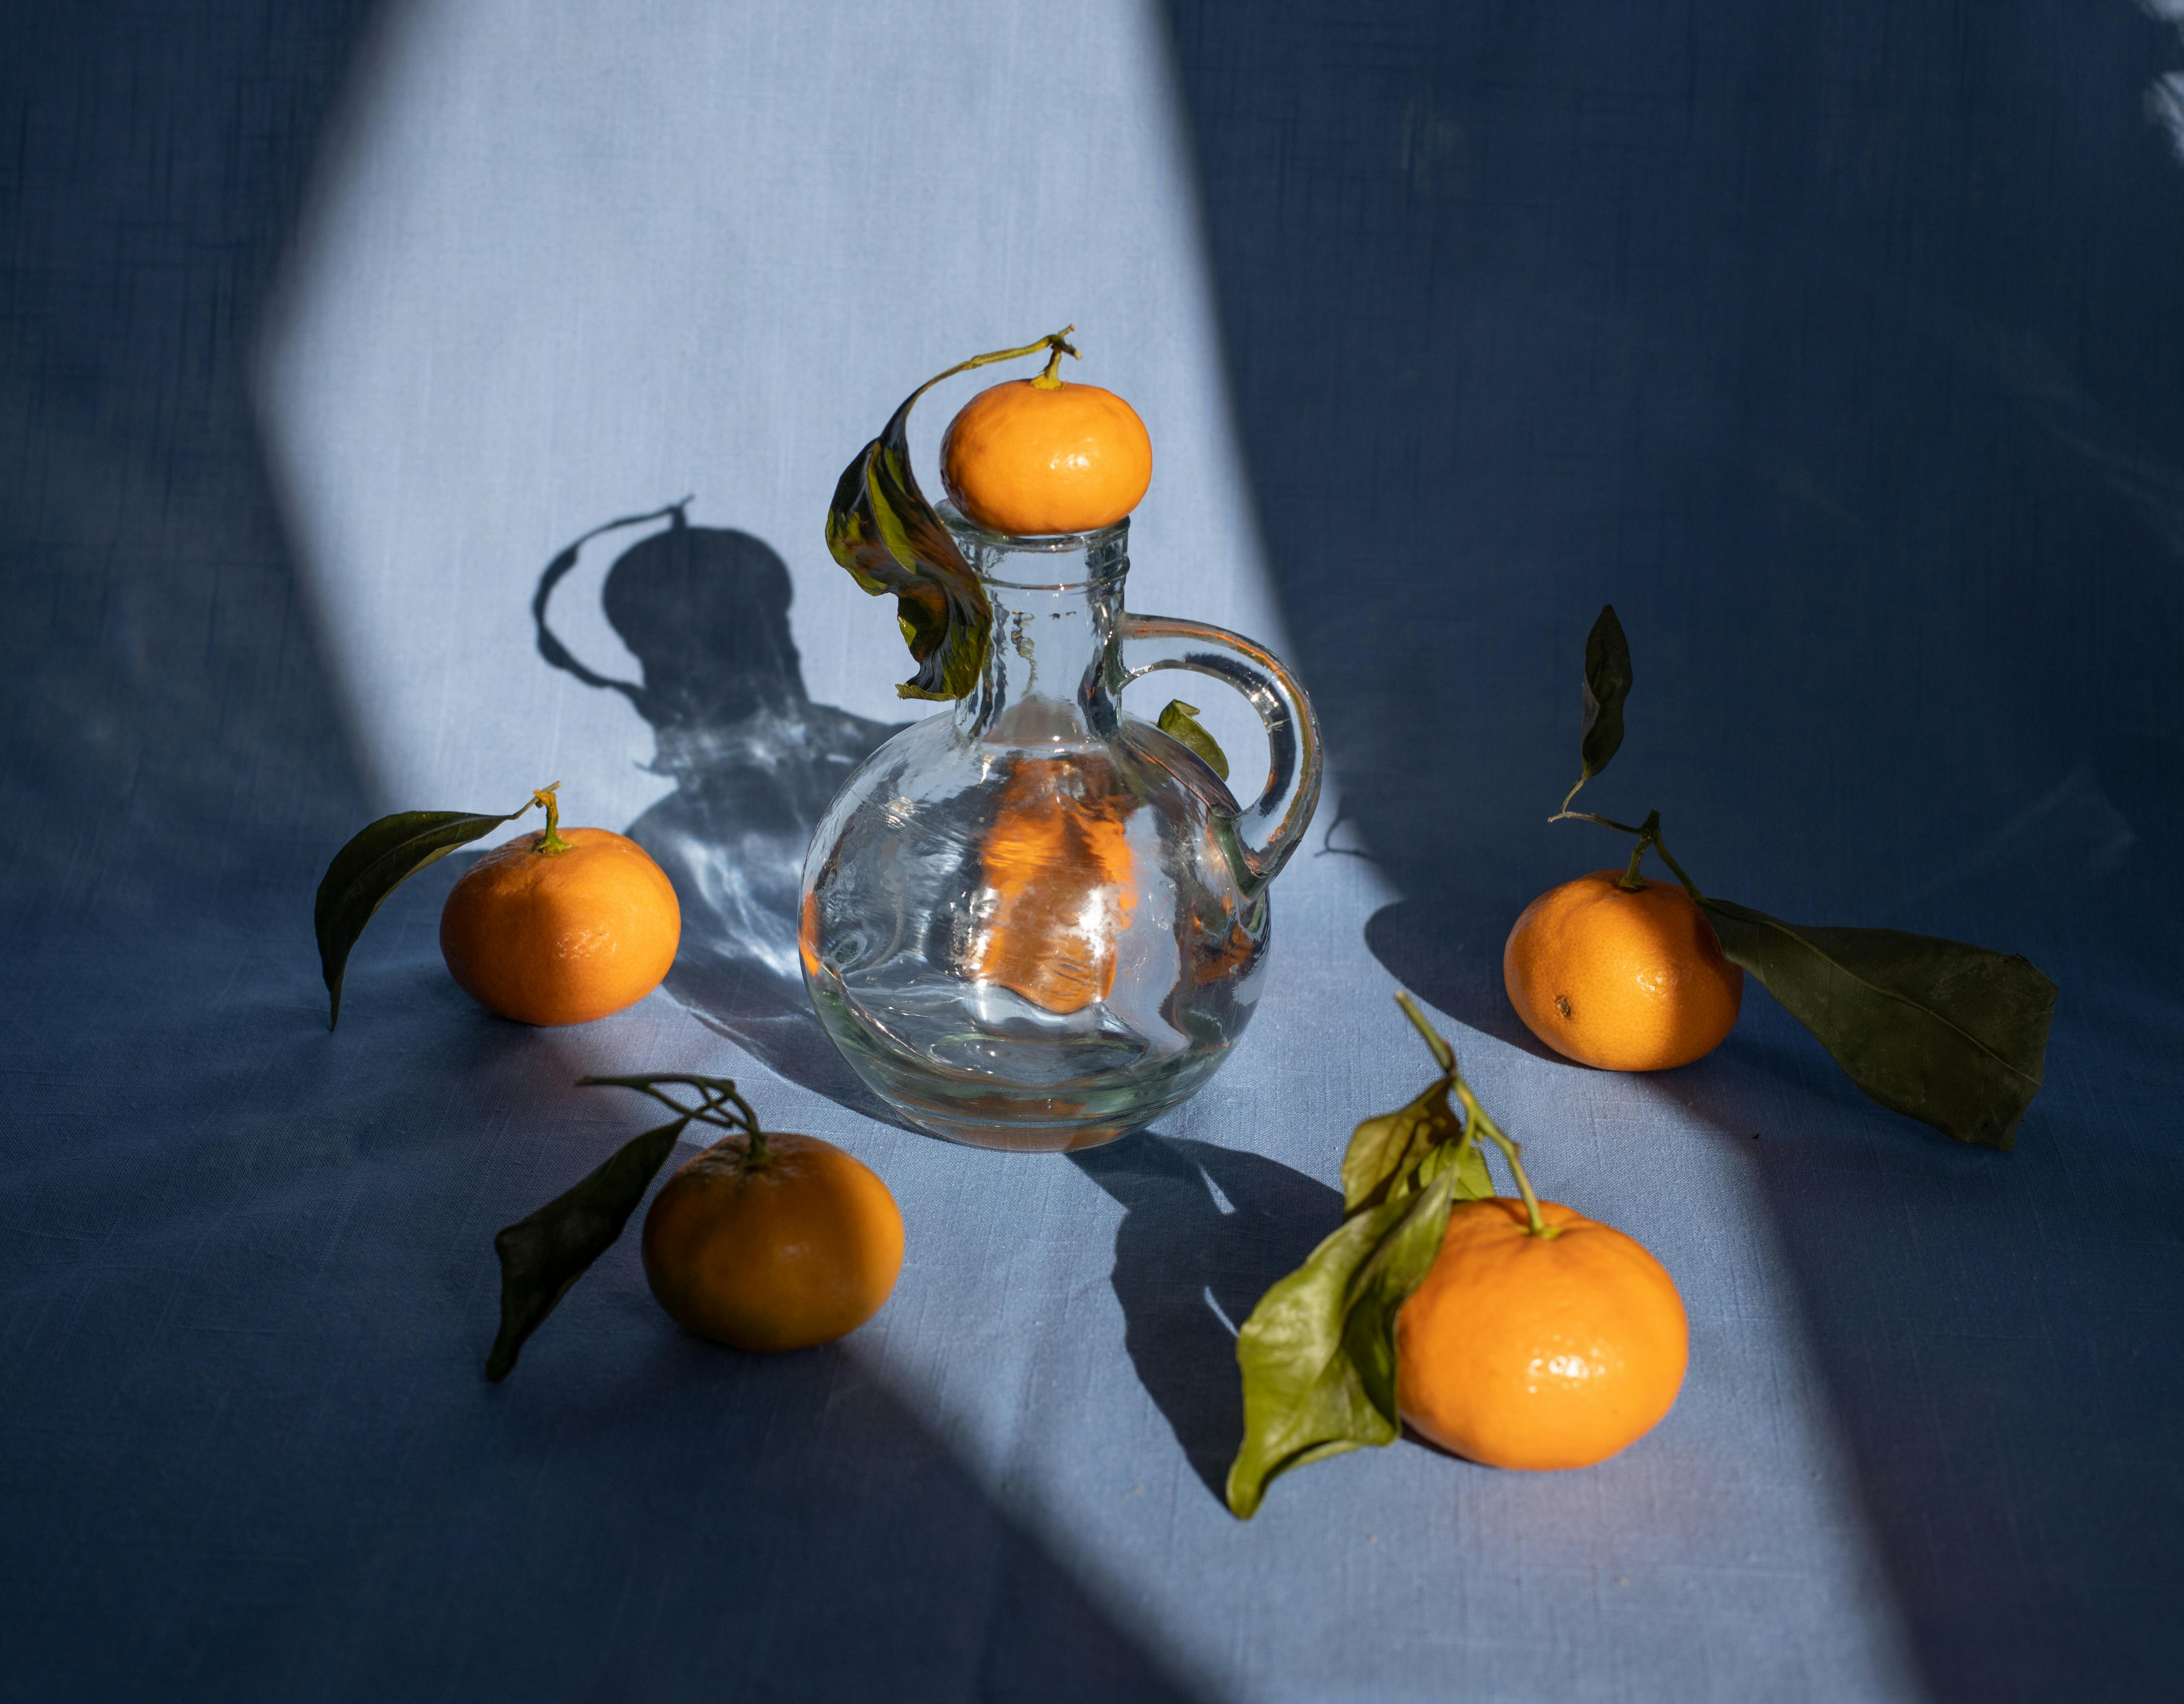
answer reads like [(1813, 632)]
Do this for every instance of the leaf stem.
[(755, 1152), (1631, 882), (1691, 887), (719, 1103), (551, 840), (1476, 1118), (1604, 822), (1444, 1055), (1649, 834), (1058, 342)]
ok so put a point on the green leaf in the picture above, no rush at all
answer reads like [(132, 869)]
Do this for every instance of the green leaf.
[(380, 859), (1318, 1354), (1474, 1182), (881, 528), (542, 1256), (1179, 722), (1394, 1268), (1448, 1172), (1954, 1035), (1607, 684), (1382, 1151)]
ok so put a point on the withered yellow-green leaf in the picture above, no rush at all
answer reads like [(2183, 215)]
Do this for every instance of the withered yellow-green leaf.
[(881, 528), (376, 860), (1951, 1034), (1179, 722)]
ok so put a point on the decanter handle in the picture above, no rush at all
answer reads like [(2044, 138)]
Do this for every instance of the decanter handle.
[(1268, 831)]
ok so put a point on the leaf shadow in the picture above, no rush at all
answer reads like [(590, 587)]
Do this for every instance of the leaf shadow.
[(1206, 1231)]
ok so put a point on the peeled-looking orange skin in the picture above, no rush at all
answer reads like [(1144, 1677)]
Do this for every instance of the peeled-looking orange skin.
[(1524, 1351), (1624, 980), (1057, 893), (1025, 460), (797, 1251), (553, 938)]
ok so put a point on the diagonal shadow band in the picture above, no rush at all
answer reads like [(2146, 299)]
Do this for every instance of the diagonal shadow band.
[(1884, 458)]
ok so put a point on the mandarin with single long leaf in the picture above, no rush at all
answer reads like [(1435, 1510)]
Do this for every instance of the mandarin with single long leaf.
[(880, 527), (1622, 974), (1043, 456), (561, 927), (770, 1241), (766, 1240), (1951, 1034)]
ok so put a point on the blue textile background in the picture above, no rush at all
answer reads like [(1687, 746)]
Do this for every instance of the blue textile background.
[(1840, 346)]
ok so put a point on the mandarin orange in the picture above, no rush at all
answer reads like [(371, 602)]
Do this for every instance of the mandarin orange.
[(1624, 980), (1042, 456), (772, 1243), (561, 927), (1522, 1350)]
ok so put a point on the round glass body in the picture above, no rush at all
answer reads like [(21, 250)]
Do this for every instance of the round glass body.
[(1033, 922)]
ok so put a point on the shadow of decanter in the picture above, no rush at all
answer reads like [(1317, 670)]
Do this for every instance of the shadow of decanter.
[(755, 763), (1206, 1232)]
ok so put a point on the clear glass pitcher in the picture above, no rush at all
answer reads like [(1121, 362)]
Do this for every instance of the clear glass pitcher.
[(1035, 922)]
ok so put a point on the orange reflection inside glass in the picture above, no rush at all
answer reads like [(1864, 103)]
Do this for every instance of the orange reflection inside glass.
[(1058, 892)]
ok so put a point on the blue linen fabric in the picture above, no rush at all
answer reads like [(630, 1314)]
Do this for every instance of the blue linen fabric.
[(1839, 346)]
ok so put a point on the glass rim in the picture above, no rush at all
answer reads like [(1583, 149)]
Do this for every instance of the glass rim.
[(1089, 544)]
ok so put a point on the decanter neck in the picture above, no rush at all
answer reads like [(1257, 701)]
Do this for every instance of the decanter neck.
[(1054, 658)]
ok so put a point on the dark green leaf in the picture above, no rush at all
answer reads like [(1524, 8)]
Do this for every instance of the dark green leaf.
[(1179, 722), (1955, 1036), (541, 1256), (881, 528), (1318, 1354), (1607, 684), (372, 866)]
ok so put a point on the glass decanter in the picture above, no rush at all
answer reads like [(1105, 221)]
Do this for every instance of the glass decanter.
[(1033, 922)]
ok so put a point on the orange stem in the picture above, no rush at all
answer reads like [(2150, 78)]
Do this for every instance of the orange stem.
[(551, 840), (1051, 380)]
